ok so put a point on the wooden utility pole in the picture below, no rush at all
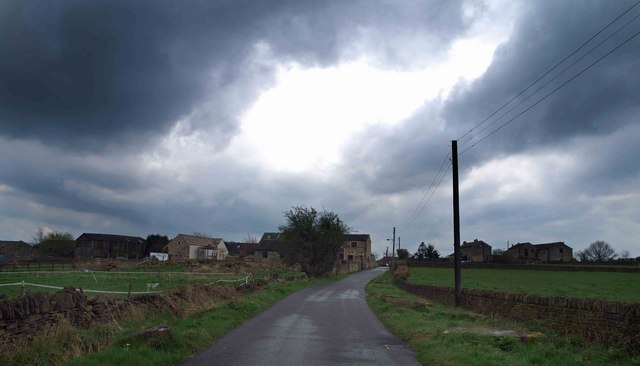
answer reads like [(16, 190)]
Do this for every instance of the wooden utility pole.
[(393, 249), (456, 222)]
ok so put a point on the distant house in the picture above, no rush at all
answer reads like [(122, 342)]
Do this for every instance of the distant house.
[(546, 252), (554, 252), (268, 249), (90, 245), (475, 251), (241, 249), (521, 252), (185, 247), (356, 249), (15, 251)]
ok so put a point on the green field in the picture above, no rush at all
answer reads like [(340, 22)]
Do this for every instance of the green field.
[(428, 331), (610, 286), (112, 283), (119, 280)]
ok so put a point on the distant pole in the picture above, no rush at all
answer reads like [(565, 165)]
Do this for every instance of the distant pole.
[(456, 223), (393, 249), (398, 243)]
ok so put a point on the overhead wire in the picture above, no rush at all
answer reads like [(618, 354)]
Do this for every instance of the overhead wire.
[(435, 183), (551, 92), (548, 71), (439, 176), (554, 78)]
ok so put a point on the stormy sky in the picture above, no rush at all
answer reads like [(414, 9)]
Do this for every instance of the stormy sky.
[(139, 117)]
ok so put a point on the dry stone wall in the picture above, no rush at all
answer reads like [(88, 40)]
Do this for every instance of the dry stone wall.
[(611, 323), (33, 314)]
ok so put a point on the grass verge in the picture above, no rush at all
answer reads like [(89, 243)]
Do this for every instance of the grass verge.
[(424, 330), (114, 343)]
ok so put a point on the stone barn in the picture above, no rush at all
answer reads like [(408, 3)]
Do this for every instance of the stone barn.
[(89, 245)]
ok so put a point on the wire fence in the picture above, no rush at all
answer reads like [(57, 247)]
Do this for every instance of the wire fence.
[(114, 283)]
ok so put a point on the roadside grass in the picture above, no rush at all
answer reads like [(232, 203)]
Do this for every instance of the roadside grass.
[(609, 286), (424, 330), (115, 344)]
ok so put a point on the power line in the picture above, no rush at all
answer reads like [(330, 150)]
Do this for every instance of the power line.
[(416, 210), (437, 180), (555, 77), (550, 93), (548, 71)]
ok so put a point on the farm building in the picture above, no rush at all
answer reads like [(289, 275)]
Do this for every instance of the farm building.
[(554, 252), (15, 251), (89, 245), (241, 249), (268, 248), (356, 249), (546, 252), (475, 251), (521, 252), (184, 247)]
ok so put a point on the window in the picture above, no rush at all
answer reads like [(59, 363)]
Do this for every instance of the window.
[(561, 251), (350, 257), (265, 254), (354, 244)]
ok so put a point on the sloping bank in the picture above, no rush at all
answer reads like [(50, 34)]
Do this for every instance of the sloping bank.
[(159, 329)]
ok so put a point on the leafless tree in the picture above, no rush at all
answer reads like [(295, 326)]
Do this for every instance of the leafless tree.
[(598, 251), (250, 238)]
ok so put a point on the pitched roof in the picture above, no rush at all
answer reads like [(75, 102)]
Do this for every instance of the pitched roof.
[(474, 243), (236, 248), (519, 245), (12, 243), (357, 237), (271, 236), (198, 240), (111, 237), (550, 245)]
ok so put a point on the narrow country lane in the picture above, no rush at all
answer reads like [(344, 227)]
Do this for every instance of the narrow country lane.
[(328, 324)]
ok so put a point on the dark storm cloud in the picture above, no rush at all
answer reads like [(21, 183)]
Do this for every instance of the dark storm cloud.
[(600, 102), (86, 75)]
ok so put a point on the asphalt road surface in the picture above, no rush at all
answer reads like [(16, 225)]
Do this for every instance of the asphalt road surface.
[(328, 324)]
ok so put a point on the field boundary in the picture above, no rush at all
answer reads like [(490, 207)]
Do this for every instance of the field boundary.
[(537, 267), (610, 323)]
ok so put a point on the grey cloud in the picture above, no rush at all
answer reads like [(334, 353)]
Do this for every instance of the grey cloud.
[(94, 74), (600, 101)]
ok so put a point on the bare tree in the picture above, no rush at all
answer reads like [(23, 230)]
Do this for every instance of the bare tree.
[(250, 238), (625, 254), (38, 236), (598, 251)]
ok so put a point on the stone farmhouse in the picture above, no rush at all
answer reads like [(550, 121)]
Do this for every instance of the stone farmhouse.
[(11, 251), (268, 248), (544, 253), (475, 251), (90, 245), (191, 247), (356, 249)]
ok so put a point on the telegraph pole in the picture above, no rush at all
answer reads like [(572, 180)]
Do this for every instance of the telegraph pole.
[(393, 250), (456, 222)]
